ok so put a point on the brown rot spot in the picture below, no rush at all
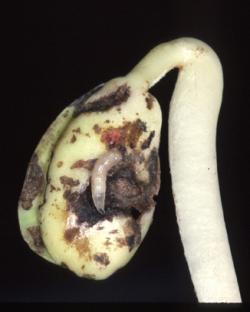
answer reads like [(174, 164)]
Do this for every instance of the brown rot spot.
[(70, 234), (97, 129), (113, 232), (132, 231), (83, 267), (77, 130), (126, 135), (87, 135), (67, 181), (83, 248), (136, 130), (119, 110), (33, 184), (130, 240), (86, 164), (180, 67), (79, 104), (99, 228), (154, 171), (102, 258), (89, 276), (59, 164), (199, 50), (107, 242), (107, 121), (121, 242), (35, 234), (73, 139), (150, 101), (64, 265), (147, 142), (81, 204), (119, 96), (65, 115), (52, 188), (123, 186)]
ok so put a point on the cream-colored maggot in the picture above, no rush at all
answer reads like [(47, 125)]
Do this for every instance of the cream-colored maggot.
[(87, 201)]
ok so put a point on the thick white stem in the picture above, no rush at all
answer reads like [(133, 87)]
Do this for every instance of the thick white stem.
[(194, 110)]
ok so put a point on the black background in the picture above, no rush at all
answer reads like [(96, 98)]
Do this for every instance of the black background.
[(67, 50)]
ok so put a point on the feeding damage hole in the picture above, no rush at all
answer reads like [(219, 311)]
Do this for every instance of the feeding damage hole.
[(125, 194)]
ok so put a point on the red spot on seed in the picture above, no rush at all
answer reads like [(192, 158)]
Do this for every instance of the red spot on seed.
[(111, 136)]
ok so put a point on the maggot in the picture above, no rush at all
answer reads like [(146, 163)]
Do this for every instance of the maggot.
[(99, 176)]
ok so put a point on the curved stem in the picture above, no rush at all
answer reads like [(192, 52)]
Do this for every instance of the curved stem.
[(194, 110)]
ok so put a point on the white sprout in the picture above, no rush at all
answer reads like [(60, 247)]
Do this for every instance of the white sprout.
[(194, 110)]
